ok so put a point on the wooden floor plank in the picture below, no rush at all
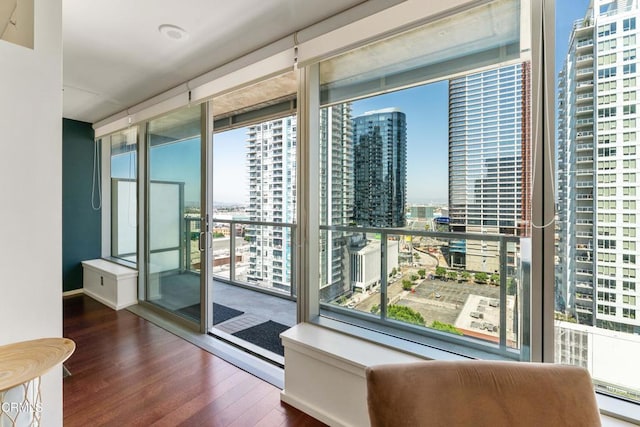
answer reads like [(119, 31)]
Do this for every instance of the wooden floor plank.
[(127, 371)]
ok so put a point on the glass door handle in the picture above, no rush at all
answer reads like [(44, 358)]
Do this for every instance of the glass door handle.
[(200, 244)]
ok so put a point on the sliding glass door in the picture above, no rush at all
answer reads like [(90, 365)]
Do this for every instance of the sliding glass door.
[(253, 217), (175, 235)]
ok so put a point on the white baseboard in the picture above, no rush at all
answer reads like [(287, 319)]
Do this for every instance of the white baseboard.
[(107, 302), (73, 292)]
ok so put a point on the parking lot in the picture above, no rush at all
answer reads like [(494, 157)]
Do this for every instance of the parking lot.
[(446, 307), (433, 299)]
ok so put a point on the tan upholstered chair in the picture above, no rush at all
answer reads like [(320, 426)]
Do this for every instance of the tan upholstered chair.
[(480, 393)]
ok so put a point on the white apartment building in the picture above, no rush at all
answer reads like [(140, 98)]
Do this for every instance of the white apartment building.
[(364, 261), (598, 206), (271, 159), (336, 196)]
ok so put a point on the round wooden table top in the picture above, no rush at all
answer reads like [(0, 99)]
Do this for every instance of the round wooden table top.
[(23, 361)]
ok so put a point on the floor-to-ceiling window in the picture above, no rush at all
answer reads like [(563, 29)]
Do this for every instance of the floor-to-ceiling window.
[(175, 238), (423, 183)]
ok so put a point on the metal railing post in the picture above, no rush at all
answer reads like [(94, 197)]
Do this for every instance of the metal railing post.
[(503, 294), (383, 275), (232, 251), (293, 291), (187, 222)]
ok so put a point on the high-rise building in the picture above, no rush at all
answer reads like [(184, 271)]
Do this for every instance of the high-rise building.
[(380, 168), (489, 183), (336, 177), (271, 154), (598, 201)]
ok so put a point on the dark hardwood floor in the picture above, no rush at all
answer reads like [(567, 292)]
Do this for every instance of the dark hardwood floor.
[(127, 371)]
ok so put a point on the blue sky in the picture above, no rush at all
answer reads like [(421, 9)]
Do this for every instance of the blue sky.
[(567, 11), (426, 108)]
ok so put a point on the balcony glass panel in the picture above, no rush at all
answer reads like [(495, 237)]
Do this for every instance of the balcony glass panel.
[(124, 210)]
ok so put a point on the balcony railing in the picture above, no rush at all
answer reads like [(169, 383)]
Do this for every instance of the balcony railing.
[(585, 71), (584, 234), (584, 43), (409, 270), (230, 267), (584, 284)]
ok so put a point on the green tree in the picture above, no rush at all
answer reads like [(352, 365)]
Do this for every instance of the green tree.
[(441, 271), (481, 277), (452, 275), (495, 278), (406, 285), (402, 313), (445, 327), (466, 276), (394, 271), (511, 286), (422, 272), (405, 314), (414, 277)]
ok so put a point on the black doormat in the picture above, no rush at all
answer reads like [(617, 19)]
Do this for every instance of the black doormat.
[(265, 335), (221, 313)]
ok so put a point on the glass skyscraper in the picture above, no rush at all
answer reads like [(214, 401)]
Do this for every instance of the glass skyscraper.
[(380, 168), (488, 166)]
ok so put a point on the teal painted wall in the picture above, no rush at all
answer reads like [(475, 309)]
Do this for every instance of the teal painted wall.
[(81, 229)]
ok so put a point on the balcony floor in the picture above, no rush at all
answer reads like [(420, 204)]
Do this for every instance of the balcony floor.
[(180, 293)]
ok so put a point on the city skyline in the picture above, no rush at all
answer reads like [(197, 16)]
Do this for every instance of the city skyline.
[(427, 140)]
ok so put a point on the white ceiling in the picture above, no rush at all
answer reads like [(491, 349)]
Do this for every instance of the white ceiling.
[(115, 57)]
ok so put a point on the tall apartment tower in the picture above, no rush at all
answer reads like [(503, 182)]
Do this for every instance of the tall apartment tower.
[(271, 154), (336, 177), (489, 149), (598, 199), (380, 168)]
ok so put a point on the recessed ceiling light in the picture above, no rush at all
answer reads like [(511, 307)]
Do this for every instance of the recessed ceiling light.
[(173, 32)]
